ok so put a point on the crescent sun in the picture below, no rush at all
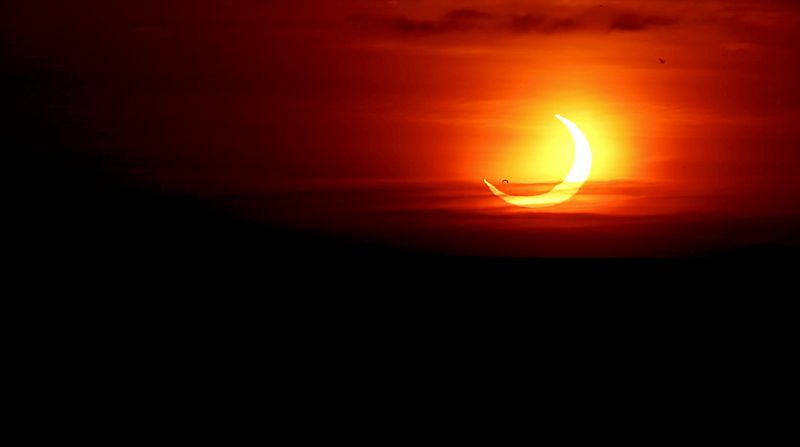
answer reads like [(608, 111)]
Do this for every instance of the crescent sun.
[(569, 186)]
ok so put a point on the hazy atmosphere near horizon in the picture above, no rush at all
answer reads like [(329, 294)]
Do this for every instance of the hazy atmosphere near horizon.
[(375, 123)]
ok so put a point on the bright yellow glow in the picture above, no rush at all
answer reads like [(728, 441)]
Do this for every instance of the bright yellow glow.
[(562, 192)]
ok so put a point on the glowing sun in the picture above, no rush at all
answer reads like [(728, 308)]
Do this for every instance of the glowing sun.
[(562, 192)]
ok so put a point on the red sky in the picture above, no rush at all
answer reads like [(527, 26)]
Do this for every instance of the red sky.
[(246, 96)]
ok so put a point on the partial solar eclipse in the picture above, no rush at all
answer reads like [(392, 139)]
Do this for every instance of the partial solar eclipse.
[(569, 186)]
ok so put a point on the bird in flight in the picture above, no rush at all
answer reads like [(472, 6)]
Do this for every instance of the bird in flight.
[(662, 60)]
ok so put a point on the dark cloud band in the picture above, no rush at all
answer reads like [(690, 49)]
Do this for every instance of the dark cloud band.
[(544, 22)]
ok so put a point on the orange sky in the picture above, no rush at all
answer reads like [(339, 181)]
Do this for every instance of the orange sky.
[(466, 90), (245, 96)]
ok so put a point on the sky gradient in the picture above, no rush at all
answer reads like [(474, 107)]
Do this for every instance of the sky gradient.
[(246, 97)]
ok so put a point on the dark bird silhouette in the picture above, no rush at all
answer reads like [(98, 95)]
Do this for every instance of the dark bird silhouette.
[(505, 181), (662, 60)]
